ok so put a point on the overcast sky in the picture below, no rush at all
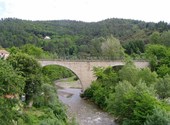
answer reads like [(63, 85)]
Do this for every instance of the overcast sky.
[(86, 10)]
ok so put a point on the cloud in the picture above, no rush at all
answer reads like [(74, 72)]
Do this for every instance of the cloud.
[(86, 10), (2, 7)]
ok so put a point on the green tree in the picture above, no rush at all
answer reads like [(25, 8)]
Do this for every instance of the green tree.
[(107, 76), (158, 55), (163, 70), (150, 78), (14, 50), (32, 50), (121, 90), (161, 26), (112, 48), (133, 104), (10, 81), (156, 50), (11, 87), (129, 73), (134, 47), (95, 47), (29, 68), (165, 38), (105, 84), (155, 38), (55, 72), (163, 87), (159, 117)]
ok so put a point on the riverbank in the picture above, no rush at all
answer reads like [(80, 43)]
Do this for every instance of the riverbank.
[(85, 112), (68, 83)]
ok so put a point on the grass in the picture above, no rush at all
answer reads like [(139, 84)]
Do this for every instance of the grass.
[(70, 79)]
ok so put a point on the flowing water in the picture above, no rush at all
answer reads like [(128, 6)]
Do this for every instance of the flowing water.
[(85, 112)]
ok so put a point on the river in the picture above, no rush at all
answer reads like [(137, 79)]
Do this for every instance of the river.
[(85, 112)]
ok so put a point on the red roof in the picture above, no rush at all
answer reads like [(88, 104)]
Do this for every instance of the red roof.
[(4, 51)]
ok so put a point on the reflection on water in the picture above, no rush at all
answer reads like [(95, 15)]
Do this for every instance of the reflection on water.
[(84, 111)]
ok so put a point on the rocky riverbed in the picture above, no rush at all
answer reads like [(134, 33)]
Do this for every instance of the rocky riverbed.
[(85, 112)]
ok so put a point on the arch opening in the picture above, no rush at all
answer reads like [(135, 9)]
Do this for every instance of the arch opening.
[(66, 76), (117, 67)]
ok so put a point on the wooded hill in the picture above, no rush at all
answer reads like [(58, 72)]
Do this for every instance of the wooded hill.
[(75, 38)]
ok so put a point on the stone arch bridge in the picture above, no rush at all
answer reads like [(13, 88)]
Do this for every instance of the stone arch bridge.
[(84, 69)]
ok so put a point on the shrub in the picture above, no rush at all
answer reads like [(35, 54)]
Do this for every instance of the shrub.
[(133, 104), (163, 87), (89, 92), (159, 117)]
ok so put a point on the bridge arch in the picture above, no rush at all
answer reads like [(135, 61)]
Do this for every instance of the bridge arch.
[(84, 69), (77, 75)]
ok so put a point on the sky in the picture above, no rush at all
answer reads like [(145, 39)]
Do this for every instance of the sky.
[(86, 10)]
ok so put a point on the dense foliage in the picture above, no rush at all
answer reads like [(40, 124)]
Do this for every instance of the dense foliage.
[(76, 40), (21, 75), (159, 57), (11, 85), (32, 50), (54, 72), (134, 96), (30, 69)]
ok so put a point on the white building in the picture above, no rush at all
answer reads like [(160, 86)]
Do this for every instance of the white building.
[(47, 37), (4, 54)]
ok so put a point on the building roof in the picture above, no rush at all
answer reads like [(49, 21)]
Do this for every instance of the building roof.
[(47, 37), (4, 51)]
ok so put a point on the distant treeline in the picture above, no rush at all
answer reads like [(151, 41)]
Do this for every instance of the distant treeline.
[(75, 39)]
